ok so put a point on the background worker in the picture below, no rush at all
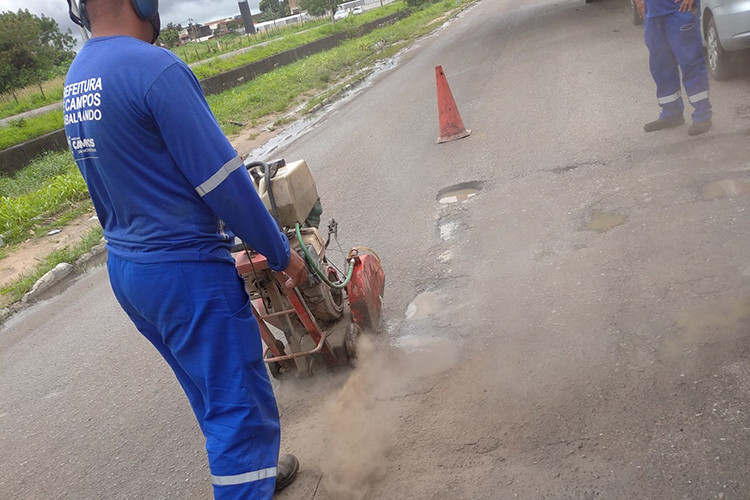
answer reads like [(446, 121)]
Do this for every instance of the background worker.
[(673, 37), (163, 177)]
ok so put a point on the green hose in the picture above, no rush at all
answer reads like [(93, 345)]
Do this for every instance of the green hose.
[(314, 264)]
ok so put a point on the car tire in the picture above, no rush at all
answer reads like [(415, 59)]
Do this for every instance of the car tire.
[(719, 62), (637, 19)]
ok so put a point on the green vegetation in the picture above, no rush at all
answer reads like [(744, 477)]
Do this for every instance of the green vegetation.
[(48, 187), (31, 49), (23, 129), (278, 91), (30, 97), (200, 51), (318, 7), (273, 9), (349, 24)]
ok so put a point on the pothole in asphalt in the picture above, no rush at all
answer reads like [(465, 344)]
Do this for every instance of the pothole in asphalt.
[(725, 188), (448, 229), (459, 192), (424, 305), (602, 221)]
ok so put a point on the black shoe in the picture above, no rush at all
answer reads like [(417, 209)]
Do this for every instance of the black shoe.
[(286, 471), (662, 123), (698, 128)]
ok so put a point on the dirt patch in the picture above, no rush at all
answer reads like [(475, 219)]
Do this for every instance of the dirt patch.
[(25, 257), (253, 137)]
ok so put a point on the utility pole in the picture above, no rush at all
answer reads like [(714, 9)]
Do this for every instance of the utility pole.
[(191, 28)]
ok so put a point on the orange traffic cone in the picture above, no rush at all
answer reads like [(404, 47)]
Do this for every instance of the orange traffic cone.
[(451, 125)]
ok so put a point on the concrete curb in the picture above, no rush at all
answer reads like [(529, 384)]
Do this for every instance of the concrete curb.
[(57, 279)]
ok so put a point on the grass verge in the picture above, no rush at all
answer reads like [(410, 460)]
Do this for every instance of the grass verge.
[(350, 24), (31, 98), (51, 185), (200, 51), (278, 91), (23, 129)]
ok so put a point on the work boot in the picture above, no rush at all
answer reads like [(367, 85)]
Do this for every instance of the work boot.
[(663, 123), (698, 128), (286, 471)]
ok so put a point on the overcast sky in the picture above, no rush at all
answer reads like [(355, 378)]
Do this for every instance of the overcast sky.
[(171, 11)]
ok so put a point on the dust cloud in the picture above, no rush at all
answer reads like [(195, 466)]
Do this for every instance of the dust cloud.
[(359, 434)]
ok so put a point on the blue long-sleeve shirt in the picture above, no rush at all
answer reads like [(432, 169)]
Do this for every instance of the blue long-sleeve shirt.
[(160, 172)]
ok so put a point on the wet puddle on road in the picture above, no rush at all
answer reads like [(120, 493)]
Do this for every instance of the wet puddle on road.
[(459, 192), (726, 188), (602, 222)]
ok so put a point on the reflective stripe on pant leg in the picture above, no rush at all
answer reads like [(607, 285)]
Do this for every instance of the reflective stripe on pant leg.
[(247, 477), (669, 98), (696, 98), (663, 66), (683, 30)]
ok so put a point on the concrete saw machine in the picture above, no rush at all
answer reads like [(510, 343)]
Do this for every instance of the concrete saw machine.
[(318, 323)]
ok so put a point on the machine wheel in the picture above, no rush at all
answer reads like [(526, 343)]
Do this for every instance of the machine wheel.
[(350, 340), (637, 19), (719, 61), (275, 368)]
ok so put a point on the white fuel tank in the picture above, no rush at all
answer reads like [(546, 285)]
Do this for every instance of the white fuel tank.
[(294, 192)]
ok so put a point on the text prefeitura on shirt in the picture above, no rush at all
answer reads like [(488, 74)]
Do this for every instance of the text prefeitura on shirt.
[(81, 101)]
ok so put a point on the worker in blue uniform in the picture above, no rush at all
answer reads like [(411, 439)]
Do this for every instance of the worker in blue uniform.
[(673, 36), (168, 187)]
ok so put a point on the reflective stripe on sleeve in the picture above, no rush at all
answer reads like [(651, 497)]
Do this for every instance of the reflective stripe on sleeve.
[(668, 98), (698, 97), (221, 174), (247, 477)]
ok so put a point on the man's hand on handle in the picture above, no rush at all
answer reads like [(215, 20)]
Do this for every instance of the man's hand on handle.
[(296, 270)]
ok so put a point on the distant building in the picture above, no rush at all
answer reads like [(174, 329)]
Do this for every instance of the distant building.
[(349, 6), (284, 21), (221, 27)]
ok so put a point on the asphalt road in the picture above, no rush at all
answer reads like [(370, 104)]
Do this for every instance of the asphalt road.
[(580, 328)]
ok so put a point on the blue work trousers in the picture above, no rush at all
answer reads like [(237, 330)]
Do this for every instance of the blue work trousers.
[(674, 45), (198, 316)]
